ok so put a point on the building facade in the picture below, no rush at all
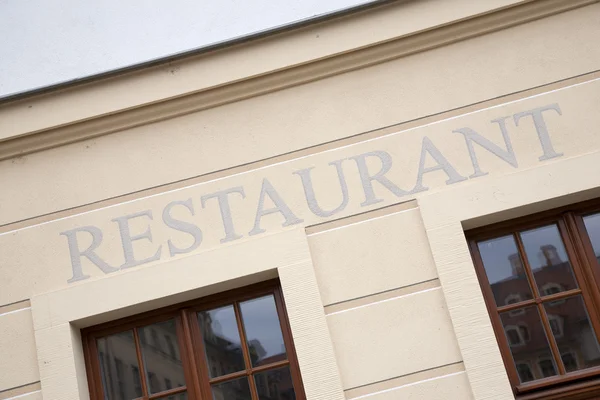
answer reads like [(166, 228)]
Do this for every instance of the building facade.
[(395, 203)]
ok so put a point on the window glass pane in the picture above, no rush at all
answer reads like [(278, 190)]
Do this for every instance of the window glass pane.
[(161, 356), (178, 396), (237, 389), (548, 260), (547, 367), (574, 334), (504, 269), (119, 366), (528, 344), (525, 372), (275, 384), (592, 224), (263, 331), (221, 341)]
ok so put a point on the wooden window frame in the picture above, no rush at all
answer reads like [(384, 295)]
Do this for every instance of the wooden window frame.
[(191, 346), (586, 269)]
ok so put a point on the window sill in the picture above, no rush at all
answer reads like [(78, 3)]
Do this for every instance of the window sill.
[(585, 390)]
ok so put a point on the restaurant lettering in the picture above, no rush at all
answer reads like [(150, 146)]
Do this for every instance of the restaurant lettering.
[(362, 164)]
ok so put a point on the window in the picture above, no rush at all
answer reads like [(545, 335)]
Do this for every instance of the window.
[(137, 383), (547, 368), (556, 325), (155, 340), (550, 289), (512, 299), (525, 373), (120, 382), (234, 345), (524, 332), (570, 361), (153, 383), (514, 335), (540, 277), (170, 346)]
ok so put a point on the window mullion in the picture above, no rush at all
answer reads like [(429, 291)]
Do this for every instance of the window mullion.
[(562, 295), (550, 335), (540, 305), (186, 349), (516, 306), (526, 266), (201, 370), (138, 350), (245, 350), (275, 365)]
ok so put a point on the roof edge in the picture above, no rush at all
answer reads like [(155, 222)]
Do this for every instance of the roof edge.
[(83, 112), (197, 51)]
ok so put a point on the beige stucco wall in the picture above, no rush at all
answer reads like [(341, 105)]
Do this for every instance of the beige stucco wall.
[(363, 258), (17, 347), (299, 117), (381, 288)]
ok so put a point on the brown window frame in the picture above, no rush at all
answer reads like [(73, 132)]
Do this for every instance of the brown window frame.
[(586, 268), (191, 346)]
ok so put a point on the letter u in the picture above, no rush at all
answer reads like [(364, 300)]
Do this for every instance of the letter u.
[(309, 190)]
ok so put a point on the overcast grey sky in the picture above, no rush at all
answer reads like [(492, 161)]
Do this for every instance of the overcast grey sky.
[(43, 42)]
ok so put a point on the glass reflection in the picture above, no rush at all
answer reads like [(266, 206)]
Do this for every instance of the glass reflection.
[(162, 360), (592, 225), (263, 331), (221, 338), (119, 366), (504, 269), (237, 389), (528, 344), (275, 384), (548, 260), (574, 335)]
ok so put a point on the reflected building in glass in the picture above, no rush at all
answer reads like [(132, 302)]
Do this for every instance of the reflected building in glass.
[(161, 357), (567, 317)]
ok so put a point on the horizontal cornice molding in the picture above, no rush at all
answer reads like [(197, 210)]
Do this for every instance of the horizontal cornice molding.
[(54, 136)]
